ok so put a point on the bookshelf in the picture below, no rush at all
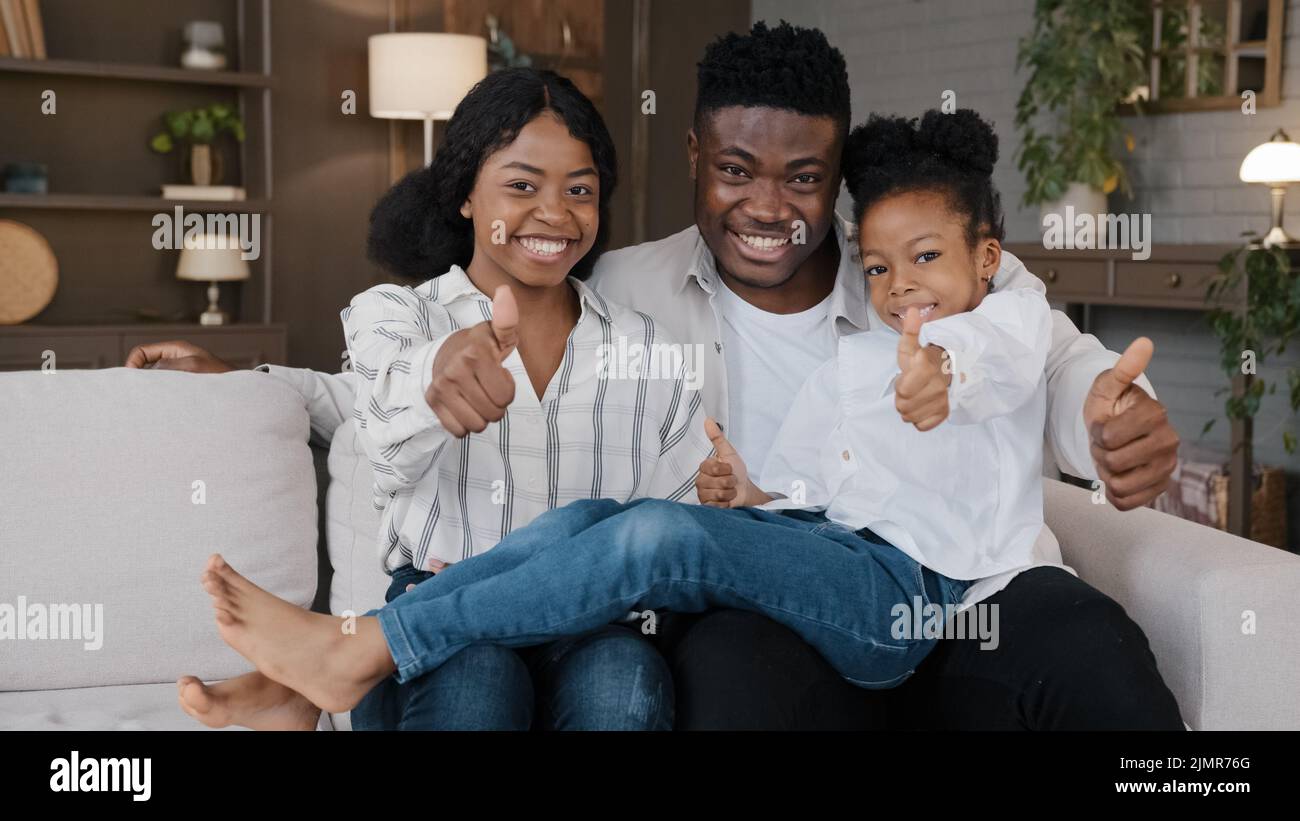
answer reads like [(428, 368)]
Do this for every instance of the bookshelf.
[(115, 69)]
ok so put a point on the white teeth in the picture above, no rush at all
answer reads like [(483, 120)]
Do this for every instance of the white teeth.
[(545, 247), (763, 243), (924, 311)]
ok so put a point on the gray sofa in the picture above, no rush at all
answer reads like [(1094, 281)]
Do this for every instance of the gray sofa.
[(116, 485)]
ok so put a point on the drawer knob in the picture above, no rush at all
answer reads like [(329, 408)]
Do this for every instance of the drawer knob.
[(1051, 275), (1174, 280)]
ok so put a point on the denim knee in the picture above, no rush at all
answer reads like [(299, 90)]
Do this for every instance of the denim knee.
[(612, 679), (483, 687)]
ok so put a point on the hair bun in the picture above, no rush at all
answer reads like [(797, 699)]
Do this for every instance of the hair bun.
[(877, 142), (962, 137)]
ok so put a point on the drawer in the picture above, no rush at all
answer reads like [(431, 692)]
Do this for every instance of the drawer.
[(1072, 278), (1165, 282)]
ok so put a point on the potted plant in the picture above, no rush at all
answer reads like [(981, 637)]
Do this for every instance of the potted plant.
[(1085, 58), (199, 129), (1249, 334)]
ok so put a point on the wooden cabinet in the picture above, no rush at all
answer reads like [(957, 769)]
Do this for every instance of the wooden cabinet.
[(1174, 276), (27, 347)]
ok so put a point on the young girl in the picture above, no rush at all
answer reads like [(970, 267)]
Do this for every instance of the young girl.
[(915, 510), (479, 413)]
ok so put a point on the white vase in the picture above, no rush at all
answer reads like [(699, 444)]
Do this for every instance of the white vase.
[(1079, 198)]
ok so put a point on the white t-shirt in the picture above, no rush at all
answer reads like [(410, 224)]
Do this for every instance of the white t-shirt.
[(768, 357)]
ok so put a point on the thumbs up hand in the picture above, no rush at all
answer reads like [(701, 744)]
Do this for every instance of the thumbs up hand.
[(470, 388), (1134, 448), (723, 480), (921, 390)]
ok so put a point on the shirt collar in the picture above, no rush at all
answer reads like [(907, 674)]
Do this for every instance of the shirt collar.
[(848, 298), (456, 284)]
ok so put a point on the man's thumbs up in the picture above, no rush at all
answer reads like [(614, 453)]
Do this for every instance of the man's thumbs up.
[(1110, 390), (505, 320), (723, 480), (1133, 446)]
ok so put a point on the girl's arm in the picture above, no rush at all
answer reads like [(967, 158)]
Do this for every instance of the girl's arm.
[(996, 353), (393, 337)]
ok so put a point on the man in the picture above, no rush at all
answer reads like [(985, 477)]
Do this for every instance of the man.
[(765, 283)]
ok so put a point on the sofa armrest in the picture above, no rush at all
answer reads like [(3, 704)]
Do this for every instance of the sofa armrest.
[(1222, 613)]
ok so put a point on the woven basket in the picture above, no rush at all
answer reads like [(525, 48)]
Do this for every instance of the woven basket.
[(1267, 505)]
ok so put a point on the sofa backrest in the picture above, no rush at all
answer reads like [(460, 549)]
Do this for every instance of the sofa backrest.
[(115, 487)]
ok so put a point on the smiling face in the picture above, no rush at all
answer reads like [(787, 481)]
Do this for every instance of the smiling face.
[(915, 253), (757, 171), (545, 191)]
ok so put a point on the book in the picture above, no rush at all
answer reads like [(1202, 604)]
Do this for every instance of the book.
[(20, 22), (5, 51), (35, 28), (204, 192), (13, 26)]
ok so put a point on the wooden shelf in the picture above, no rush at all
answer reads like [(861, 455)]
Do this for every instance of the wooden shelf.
[(131, 71), (113, 202)]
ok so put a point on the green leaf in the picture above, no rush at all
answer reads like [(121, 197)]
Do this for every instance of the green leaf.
[(162, 142)]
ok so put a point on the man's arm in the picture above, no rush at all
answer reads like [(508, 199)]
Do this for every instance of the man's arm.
[(328, 397), (1103, 421)]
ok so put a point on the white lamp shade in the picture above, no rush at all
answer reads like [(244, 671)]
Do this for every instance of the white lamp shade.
[(213, 258), (1276, 161), (417, 76)]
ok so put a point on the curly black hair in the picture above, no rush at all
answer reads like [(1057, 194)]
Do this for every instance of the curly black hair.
[(786, 67), (417, 230), (950, 153)]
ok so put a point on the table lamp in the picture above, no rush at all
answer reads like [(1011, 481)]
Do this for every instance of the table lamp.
[(423, 76), (212, 258), (1275, 164)]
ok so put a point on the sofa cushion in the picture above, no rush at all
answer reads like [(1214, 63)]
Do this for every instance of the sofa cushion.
[(117, 485)]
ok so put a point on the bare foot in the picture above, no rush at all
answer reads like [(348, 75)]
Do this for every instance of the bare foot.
[(304, 651), (251, 700)]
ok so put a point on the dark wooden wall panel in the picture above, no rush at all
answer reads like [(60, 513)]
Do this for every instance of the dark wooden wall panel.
[(330, 169)]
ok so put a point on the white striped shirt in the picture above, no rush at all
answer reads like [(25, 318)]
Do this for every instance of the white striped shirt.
[(597, 432)]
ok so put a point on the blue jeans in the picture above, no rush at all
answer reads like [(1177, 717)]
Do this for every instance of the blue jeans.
[(611, 678), (582, 566)]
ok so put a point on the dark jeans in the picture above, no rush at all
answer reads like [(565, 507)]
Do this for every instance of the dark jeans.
[(611, 678), (1069, 658)]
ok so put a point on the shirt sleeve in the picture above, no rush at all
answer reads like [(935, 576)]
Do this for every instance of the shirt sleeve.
[(1074, 362), (393, 337), (792, 471), (329, 397), (683, 445), (997, 353)]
